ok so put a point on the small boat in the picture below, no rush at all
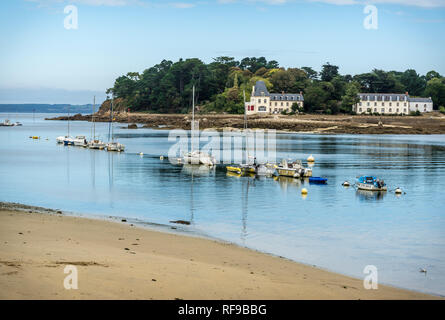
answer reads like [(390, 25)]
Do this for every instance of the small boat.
[(18, 124), (7, 123), (68, 141), (61, 138), (318, 180), (293, 169), (115, 146), (96, 144), (197, 156), (371, 183), (80, 141), (266, 169)]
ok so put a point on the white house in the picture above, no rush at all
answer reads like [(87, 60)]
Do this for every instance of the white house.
[(421, 104), (261, 101), (391, 103)]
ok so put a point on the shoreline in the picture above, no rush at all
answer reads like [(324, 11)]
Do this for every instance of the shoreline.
[(432, 123), (118, 260)]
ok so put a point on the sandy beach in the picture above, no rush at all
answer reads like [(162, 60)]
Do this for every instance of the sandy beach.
[(118, 261)]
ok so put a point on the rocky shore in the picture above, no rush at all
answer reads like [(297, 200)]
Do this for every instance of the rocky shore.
[(432, 123)]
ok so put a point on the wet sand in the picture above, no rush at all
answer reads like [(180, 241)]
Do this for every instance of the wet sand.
[(118, 261)]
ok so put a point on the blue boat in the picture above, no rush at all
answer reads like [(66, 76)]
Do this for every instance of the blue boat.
[(318, 180), (371, 183)]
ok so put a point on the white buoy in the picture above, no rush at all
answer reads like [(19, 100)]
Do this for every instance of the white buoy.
[(398, 190), (161, 157), (141, 153), (311, 158), (346, 184)]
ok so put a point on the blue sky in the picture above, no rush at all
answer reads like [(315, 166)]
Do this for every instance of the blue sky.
[(117, 36)]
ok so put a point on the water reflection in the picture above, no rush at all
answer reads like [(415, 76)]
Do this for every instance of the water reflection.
[(366, 195)]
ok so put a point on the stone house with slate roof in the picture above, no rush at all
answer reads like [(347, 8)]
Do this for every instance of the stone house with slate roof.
[(263, 102)]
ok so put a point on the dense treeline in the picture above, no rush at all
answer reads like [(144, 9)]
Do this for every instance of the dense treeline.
[(167, 86)]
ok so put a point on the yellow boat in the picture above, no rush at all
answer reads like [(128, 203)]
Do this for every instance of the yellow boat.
[(242, 169)]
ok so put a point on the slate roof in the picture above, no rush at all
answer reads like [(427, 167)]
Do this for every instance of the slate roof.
[(383, 96), (261, 91), (417, 99)]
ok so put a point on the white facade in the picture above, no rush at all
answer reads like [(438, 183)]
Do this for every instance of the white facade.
[(263, 102), (391, 103)]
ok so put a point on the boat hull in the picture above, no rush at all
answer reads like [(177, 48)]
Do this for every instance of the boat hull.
[(370, 187)]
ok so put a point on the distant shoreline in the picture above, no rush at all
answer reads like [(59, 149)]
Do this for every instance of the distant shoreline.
[(432, 123), (117, 260)]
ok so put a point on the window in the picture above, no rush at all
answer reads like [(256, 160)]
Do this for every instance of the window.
[(360, 104), (390, 110), (383, 104), (375, 103), (265, 101), (276, 103), (287, 104), (397, 104), (397, 110), (367, 104), (404, 110), (368, 110), (375, 109), (383, 110), (281, 103), (360, 109), (404, 104), (262, 108), (390, 104)]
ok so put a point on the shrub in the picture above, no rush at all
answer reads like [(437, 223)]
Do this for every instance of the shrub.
[(442, 109)]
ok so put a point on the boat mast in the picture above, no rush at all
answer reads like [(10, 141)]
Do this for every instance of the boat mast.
[(68, 120), (245, 126), (94, 123), (193, 119)]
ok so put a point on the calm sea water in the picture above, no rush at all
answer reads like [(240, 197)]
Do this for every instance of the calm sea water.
[(339, 229)]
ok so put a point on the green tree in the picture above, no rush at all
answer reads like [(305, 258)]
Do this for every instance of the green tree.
[(435, 89), (328, 72), (350, 97)]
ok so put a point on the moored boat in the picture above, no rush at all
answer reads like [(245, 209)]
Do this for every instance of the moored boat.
[(96, 144), (115, 146), (371, 183), (293, 169), (80, 141), (318, 180)]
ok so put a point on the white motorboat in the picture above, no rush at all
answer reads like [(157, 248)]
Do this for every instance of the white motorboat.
[(115, 146), (96, 144), (80, 141), (293, 169), (371, 183), (7, 123)]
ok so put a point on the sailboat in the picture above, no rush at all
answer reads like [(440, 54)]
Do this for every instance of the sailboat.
[(244, 168), (113, 145), (67, 140), (197, 156), (95, 143)]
